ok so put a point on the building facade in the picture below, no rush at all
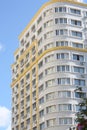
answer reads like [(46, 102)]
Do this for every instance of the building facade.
[(50, 63)]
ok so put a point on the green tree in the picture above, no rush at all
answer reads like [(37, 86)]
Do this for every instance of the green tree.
[(82, 114)]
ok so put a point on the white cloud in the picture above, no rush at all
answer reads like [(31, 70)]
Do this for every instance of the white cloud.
[(5, 117), (1, 47)]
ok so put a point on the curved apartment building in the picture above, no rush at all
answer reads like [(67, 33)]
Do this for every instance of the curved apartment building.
[(50, 63)]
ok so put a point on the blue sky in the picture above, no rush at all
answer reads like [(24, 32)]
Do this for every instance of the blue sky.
[(14, 16)]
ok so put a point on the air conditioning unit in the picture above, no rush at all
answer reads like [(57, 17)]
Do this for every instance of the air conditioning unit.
[(15, 122), (35, 122), (34, 75), (35, 109), (82, 63), (25, 116), (22, 107), (34, 98), (83, 76), (25, 127)]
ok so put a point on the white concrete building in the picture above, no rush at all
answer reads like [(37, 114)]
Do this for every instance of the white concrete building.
[(50, 63)]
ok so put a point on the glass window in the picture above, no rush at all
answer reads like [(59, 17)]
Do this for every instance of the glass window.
[(65, 121), (50, 96), (51, 122), (41, 100), (41, 113), (41, 88), (77, 45), (64, 94), (62, 56), (77, 108), (80, 95), (63, 68), (76, 22), (51, 109), (49, 70), (79, 82), (65, 107), (50, 83), (75, 11), (63, 81), (78, 57), (42, 126), (77, 34), (78, 69), (61, 43)]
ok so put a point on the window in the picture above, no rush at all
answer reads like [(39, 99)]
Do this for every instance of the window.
[(28, 99), (28, 121), (60, 20), (50, 96), (33, 29), (78, 57), (77, 108), (65, 121), (34, 105), (22, 125), (39, 20), (22, 62), (41, 100), (27, 45), (62, 32), (50, 83), (34, 118), (48, 46), (61, 43), (39, 31), (42, 126), (22, 82), (39, 41), (33, 38), (49, 70), (63, 81), (48, 35), (77, 45), (48, 12), (63, 68), (65, 107), (33, 50), (41, 113), (79, 82), (33, 71), (34, 82), (51, 122), (62, 56), (27, 76), (40, 52), (80, 95), (49, 58), (27, 88), (51, 109), (77, 34), (75, 11), (34, 94), (27, 34), (76, 22), (60, 9), (78, 69), (40, 76), (28, 110), (48, 23), (41, 88), (40, 64)]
